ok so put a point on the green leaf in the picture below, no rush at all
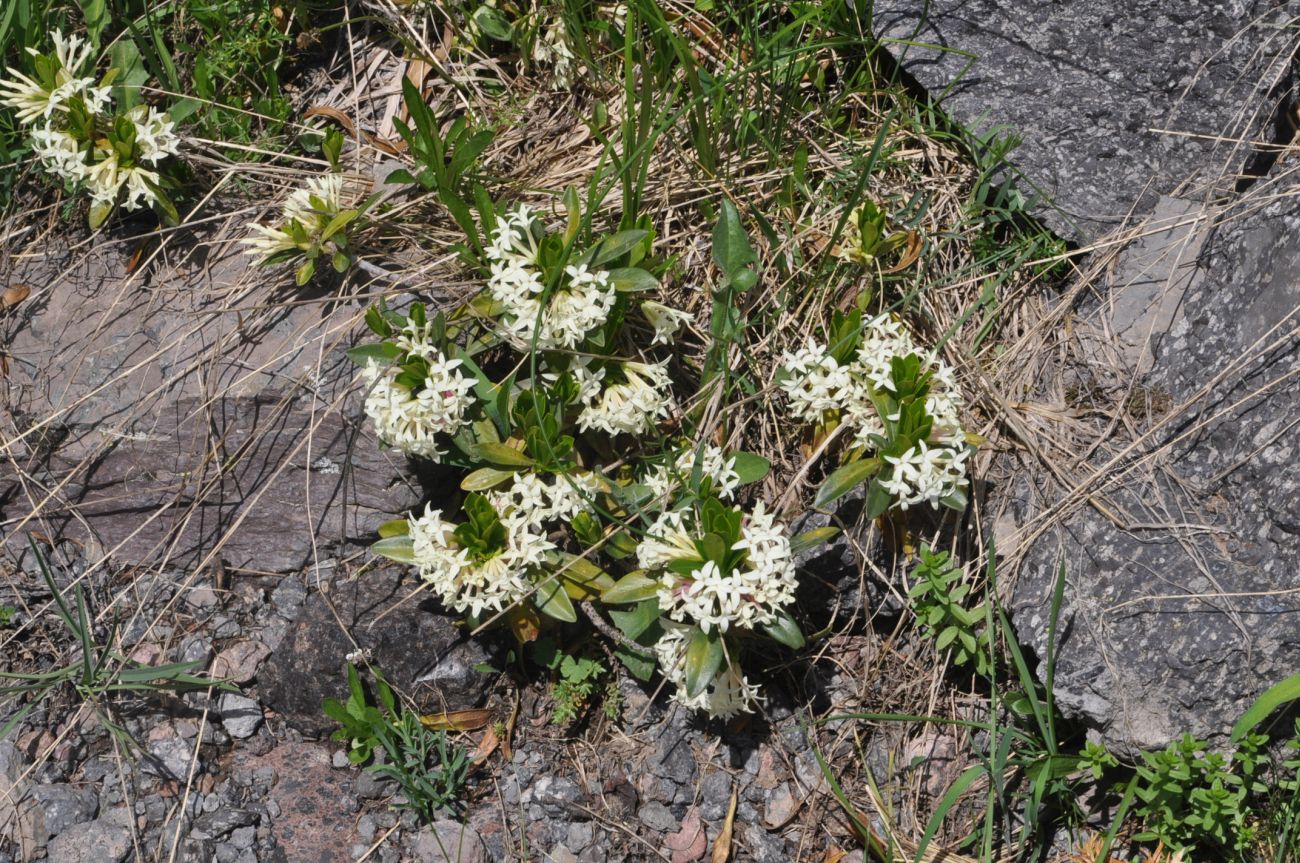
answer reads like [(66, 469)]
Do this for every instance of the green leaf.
[(574, 209), (845, 478), (639, 665), (485, 478), (99, 213), (704, 657), (634, 587), (750, 467), (813, 538), (395, 527), (553, 601), (785, 631), (629, 280), (304, 273), (398, 548), (1274, 697), (878, 500), (499, 453), (732, 251), (614, 246), (638, 620), (583, 579), (492, 23), (384, 352)]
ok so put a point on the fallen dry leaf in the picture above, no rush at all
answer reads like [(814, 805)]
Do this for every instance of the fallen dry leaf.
[(13, 295), (722, 845), (689, 843), (457, 720), (486, 746)]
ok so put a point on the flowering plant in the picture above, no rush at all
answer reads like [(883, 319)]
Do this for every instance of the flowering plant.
[(901, 408), (313, 224), (549, 393), (119, 156)]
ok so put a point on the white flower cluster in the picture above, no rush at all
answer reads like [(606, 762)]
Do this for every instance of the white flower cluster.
[(532, 499), (578, 305), (665, 479), (632, 407), (551, 48), (750, 595), (412, 421), (728, 695), (298, 207), (45, 107), (816, 383), (468, 585)]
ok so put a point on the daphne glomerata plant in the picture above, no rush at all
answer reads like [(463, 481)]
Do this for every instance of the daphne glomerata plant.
[(313, 224), (548, 393), (119, 156), (899, 406)]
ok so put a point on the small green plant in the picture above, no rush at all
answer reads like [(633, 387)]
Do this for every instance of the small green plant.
[(99, 673), (1191, 796), (393, 742), (314, 226), (443, 161), (938, 599), (7, 613), (577, 684)]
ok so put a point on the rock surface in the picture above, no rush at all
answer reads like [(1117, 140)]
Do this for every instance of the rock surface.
[(1109, 97), (420, 651), (1180, 621), (187, 419)]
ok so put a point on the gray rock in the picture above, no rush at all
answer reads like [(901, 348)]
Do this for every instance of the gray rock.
[(223, 822), (372, 786), (1178, 622), (101, 841), (62, 806), (309, 665), (657, 817), (1109, 96), (557, 795), (180, 424), (170, 758), (449, 842), (715, 795), (763, 846), (239, 714)]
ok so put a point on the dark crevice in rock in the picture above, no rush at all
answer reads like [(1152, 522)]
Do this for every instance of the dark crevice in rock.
[(1280, 132)]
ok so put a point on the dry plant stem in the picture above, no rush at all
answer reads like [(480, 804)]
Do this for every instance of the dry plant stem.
[(792, 490), (609, 631)]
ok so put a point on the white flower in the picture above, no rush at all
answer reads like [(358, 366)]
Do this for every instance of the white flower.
[(728, 695), (299, 207), (155, 136), (665, 320), (412, 422), (815, 382), (535, 501), (663, 480), (494, 583), (634, 406), (552, 48), (580, 303), (33, 101), (926, 474), (268, 241), (751, 594), (60, 153)]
